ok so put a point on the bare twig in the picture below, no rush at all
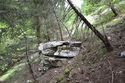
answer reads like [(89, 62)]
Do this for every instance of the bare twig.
[(27, 58), (111, 69)]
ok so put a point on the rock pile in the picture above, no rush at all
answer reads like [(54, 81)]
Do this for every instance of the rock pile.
[(56, 52), (62, 49)]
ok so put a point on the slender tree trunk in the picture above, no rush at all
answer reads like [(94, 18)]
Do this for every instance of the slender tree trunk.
[(90, 26), (28, 62), (57, 19), (27, 58), (113, 10), (60, 30), (38, 35)]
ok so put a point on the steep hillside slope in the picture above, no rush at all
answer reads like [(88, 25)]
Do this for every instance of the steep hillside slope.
[(92, 67)]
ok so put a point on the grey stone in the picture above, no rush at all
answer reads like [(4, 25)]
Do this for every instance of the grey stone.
[(60, 48), (67, 53), (122, 54)]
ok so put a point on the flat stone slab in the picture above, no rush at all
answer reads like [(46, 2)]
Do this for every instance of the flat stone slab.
[(67, 54), (60, 48)]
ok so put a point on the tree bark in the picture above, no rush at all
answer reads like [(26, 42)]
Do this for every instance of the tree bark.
[(60, 30), (90, 26), (37, 24), (113, 10)]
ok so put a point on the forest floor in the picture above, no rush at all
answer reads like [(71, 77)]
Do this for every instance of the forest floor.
[(108, 69), (87, 67)]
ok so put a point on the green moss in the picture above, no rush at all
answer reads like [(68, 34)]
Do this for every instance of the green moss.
[(60, 79), (10, 73)]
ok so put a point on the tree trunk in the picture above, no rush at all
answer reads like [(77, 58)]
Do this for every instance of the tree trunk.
[(60, 30), (28, 61), (90, 26), (113, 10), (38, 35)]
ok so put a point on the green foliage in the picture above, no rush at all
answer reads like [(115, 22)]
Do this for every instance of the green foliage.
[(121, 7), (3, 67), (105, 14), (90, 6), (104, 18), (3, 25), (89, 9)]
